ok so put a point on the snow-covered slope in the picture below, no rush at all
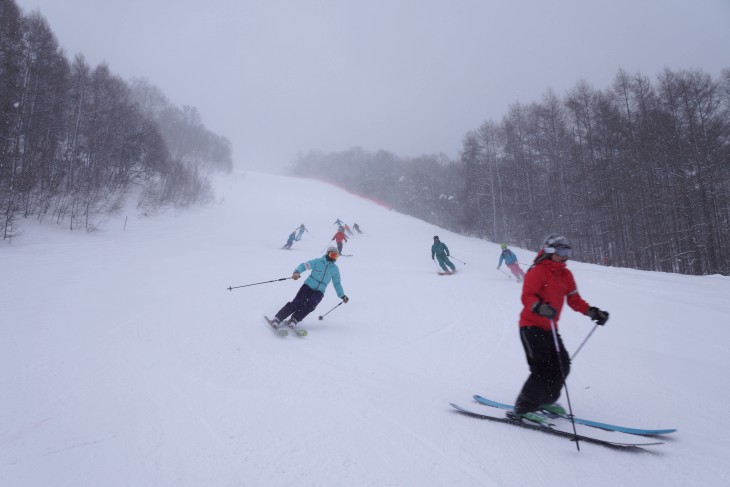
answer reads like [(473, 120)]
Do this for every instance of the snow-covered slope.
[(124, 360)]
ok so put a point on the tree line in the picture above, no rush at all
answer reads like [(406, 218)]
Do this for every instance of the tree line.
[(76, 140), (636, 175)]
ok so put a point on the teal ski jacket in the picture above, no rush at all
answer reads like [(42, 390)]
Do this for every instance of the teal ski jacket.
[(323, 271), (439, 248)]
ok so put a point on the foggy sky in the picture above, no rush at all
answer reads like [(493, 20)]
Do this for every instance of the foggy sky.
[(411, 77)]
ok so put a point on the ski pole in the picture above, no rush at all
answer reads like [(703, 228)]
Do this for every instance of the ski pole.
[(565, 383), (503, 272), (328, 312), (584, 342), (457, 260), (327, 246), (231, 288)]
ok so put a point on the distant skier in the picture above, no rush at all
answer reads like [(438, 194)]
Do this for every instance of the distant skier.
[(339, 238), (324, 270), (290, 240), (356, 227), (301, 231), (547, 285), (509, 258), (440, 251), (348, 230), (338, 222)]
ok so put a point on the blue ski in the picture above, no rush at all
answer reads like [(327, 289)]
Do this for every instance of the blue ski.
[(586, 422), (557, 432)]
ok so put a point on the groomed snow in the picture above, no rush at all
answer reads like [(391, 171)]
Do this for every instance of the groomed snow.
[(125, 361)]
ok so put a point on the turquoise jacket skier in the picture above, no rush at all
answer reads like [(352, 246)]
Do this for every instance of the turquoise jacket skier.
[(441, 252), (507, 256), (323, 271), (311, 293)]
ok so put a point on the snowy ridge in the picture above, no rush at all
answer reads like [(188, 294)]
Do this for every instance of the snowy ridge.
[(124, 359)]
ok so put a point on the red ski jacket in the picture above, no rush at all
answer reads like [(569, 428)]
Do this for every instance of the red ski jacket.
[(550, 282), (339, 237)]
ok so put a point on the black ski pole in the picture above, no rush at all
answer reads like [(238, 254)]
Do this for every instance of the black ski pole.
[(565, 383), (328, 312), (584, 342), (457, 260), (231, 288)]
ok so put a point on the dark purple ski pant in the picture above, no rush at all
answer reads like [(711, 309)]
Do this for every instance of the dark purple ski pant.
[(303, 303)]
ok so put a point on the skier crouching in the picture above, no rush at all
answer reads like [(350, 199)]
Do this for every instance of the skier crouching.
[(290, 241), (547, 285), (324, 270)]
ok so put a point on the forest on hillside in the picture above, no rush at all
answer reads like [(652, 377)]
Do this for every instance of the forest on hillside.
[(636, 175), (76, 140)]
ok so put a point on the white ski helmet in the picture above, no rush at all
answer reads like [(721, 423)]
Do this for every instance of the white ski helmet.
[(554, 242)]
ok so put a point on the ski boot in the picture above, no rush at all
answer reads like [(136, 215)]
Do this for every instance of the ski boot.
[(292, 323), (531, 416), (553, 409)]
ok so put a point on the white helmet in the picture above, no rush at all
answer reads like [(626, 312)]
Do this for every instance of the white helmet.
[(555, 241)]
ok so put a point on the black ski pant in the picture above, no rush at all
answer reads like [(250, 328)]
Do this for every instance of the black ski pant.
[(303, 303), (546, 377)]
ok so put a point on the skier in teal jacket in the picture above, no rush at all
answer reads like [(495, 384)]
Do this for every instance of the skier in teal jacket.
[(440, 251), (290, 240), (311, 293)]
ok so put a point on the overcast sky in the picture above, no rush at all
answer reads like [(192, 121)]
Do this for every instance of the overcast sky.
[(411, 77)]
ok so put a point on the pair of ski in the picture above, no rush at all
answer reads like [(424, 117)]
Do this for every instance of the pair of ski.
[(284, 327), (608, 434)]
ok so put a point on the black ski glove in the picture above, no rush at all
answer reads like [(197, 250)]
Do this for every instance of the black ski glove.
[(345, 298), (295, 276), (544, 309), (597, 315)]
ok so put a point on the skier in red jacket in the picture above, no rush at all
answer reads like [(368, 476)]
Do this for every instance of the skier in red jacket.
[(548, 284), (339, 237)]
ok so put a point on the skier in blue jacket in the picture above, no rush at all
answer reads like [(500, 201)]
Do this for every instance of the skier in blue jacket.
[(301, 229), (324, 270), (509, 258)]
